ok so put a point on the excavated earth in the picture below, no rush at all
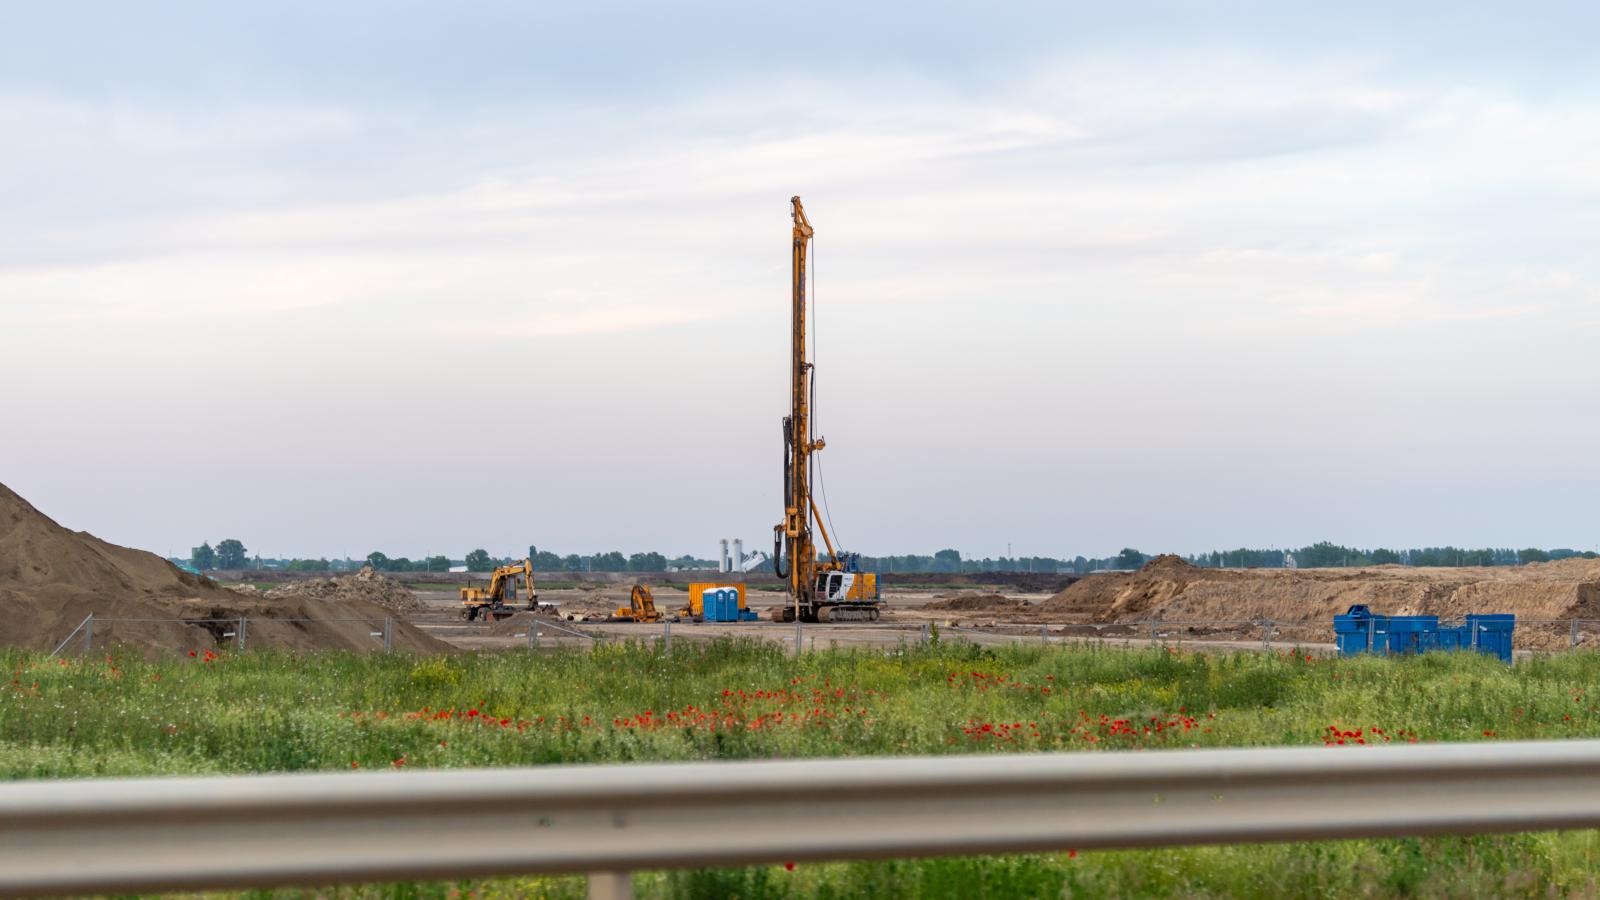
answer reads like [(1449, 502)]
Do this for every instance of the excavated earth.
[(973, 601), (51, 578), (1170, 589)]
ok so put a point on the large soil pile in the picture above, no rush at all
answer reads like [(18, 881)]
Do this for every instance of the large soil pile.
[(1170, 589), (51, 578), (366, 585)]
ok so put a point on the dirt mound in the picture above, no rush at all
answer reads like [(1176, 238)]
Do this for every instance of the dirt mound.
[(366, 585), (1170, 589), (517, 623), (51, 578), (975, 601)]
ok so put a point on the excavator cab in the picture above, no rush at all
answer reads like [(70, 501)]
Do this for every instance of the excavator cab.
[(498, 600)]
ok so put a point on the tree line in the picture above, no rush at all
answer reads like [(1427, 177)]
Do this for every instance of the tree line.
[(231, 554)]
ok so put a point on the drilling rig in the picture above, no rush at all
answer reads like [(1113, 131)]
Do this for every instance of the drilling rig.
[(834, 589)]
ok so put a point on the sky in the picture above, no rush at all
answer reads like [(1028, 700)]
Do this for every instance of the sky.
[(420, 278)]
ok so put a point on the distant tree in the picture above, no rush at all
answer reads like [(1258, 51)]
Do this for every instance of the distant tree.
[(572, 562), (647, 562), (1129, 558), (231, 554), (947, 560), (400, 564), (613, 561), (203, 557), (545, 561), (479, 561), (1532, 555), (1385, 557), (309, 565), (379, 561), (436, 564)]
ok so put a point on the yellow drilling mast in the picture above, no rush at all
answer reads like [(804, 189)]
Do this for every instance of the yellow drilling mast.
[(831, 590)]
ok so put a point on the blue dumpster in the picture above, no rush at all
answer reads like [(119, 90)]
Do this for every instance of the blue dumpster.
[(1411, 634), (1450, 637), (1360, 631), (1491, 633), (1353, 629)]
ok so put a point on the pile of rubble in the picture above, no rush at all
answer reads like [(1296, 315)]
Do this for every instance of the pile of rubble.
[(366, 584)]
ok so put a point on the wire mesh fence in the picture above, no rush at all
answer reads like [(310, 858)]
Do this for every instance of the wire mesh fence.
[(1532, 636)]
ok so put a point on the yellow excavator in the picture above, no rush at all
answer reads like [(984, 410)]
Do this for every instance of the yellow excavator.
[(497, 599), (641, 607), (834, 589)]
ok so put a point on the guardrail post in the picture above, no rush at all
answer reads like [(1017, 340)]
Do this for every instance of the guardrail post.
[(238, 636), (388, 633), (666, 635), (88, 635), (610, 886)]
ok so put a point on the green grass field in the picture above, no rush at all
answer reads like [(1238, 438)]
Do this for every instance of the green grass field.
[(260, 712)]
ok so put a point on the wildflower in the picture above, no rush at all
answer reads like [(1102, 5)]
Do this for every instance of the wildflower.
[(354, 764), (789, 866)]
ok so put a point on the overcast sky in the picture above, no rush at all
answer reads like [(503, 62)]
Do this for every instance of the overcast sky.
[(420, 277)]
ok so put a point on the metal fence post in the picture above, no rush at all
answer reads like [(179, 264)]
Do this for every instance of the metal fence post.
[(1574, 632), (1152, 633), (1372, 632), (666, 635), (798, 647), (388, 633), (1267, 643), (88, 634), (1044, 635), (610, 886), (533, 635), (238, 636), (927, 632)]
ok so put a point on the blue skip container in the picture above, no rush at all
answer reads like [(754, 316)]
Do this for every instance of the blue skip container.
[(1491, 633), (1359, 630)]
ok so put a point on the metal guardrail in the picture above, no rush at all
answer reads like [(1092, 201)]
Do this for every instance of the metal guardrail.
[(61, 837)]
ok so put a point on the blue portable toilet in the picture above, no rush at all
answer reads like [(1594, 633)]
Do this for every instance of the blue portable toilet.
[(721, 605), (714, 602), (1491, 633)]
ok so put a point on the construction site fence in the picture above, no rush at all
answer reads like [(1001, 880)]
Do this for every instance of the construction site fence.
[(119, 836), (1531, 636)]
